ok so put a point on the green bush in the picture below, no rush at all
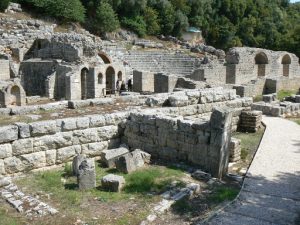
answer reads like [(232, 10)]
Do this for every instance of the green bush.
[(65, 11), (136, 24), (4, 4), (106, 19)]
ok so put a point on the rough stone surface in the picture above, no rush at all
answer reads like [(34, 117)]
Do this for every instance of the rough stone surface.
[(86, 177), (113, 183), (132, 161), (110, 156), (8, 133), (76, 163)]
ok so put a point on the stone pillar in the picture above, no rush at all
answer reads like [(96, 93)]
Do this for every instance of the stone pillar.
[(218, 153)]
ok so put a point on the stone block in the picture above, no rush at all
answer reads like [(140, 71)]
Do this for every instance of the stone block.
[(110, 156), (269, 98), (8, 133), (68, 124), (82, 122), (50, 157), (24, 130), (201, 175), (34, 160), (89, 135), (113, 183), (67, 153), (297, 98), (13, 165), (132, 161), (94, 149), (5, 181), (86, 177), (77, 160), (178, 100), (97, 121), (22, 146), (5, 151), (43, 128)]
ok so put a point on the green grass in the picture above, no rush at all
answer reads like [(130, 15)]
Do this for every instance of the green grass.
[(223, 194), (285, 93), (249, 143), (296, 120), (8, 220), (258, 98)]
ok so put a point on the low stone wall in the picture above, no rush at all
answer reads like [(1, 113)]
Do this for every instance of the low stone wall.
[(277, 109), (203, 143), (24, 147)]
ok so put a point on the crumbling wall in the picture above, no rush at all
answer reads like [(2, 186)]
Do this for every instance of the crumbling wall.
[(34, 74), (174, 139)]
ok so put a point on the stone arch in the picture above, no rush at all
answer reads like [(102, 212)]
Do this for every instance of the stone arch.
[(286, 61), (120, 76), (261, 60), (15, 95), (110, 79), (106, 59), (100, 78), (83, 79)]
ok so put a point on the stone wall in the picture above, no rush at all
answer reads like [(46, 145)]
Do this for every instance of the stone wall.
[(34, 74), (203, 143), (246, 64), (24, 147), (4, 70)]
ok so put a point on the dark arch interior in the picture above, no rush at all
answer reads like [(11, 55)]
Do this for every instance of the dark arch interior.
[(83, 78), (100, 78), (15, 95), (110, 79), (261, 58), (286, 59)]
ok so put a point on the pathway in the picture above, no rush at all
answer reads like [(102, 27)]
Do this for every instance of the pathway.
[(271, 190)]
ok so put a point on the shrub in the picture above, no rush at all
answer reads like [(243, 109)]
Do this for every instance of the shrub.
[(4, 4), (136, 24)]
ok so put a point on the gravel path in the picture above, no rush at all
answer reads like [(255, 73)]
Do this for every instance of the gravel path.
[(271, 191)]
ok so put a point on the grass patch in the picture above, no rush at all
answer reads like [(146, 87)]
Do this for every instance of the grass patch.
[(182, 206), (249, 143), (6, 219), (224, 194), (258, 98), (285, 93)]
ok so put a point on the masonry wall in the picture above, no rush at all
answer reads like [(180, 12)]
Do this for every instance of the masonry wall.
[(4, 70), (143, 81), (174, 139), (34, 74), (24, 147)]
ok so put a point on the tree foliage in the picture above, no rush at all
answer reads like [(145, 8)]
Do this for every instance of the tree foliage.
[(273, 24)]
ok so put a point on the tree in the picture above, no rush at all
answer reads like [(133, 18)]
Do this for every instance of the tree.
[(181, 23), (151, 20), (106, 19), (4, 4)]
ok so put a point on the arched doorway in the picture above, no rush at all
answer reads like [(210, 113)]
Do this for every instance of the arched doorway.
[(15, 96), (110, 80), (100, 78), (83, 79), (105, 58), (286, 61), (261, 60), (120, 76)]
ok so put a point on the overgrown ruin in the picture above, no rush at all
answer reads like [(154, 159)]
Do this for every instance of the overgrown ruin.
[(184, 105)]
